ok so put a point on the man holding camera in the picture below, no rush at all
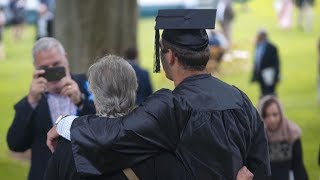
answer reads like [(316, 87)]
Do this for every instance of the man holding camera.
[(53, 91)]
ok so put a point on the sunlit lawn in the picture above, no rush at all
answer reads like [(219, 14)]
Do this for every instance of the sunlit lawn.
[(297, 89)]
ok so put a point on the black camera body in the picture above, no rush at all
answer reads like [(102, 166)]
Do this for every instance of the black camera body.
[(54, 73)]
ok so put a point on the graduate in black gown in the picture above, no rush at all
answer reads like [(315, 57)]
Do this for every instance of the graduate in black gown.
[(210, 126), (163, 166)]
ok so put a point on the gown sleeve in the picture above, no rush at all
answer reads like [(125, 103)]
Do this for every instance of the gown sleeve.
[(102, 145), (257, 158), (61, 164)]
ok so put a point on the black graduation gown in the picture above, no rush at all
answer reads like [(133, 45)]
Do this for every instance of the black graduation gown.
[(61, 166), (210, 126)]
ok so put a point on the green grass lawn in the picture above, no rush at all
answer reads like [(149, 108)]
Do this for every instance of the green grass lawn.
[(297, 89)]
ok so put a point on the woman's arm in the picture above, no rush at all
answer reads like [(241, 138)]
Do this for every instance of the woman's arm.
[(297, 161)]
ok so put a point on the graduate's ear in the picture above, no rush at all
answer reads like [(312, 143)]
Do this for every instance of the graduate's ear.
[(171, 57)]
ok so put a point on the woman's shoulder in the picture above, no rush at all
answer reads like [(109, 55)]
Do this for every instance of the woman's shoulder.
[(294, 130)]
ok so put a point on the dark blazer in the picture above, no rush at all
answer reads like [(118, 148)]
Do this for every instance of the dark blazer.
[(29, 128), (270, 58), (144, 85)]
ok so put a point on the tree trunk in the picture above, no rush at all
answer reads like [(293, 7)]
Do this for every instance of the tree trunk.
[(88, 27)]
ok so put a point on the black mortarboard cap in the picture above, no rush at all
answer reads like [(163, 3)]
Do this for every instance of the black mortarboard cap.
[(184, 28)]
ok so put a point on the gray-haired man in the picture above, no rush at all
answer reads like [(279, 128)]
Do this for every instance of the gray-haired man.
[(46, 101)]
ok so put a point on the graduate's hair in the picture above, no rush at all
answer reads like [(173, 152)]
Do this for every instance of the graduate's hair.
[(113, 84), (191, 60), (46, 43)]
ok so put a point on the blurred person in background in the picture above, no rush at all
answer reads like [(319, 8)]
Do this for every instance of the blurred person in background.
[(218, 45), (46, 101), (17, 8), (285, 14), (266, 68), (225, 16), (305, 14), (45, 19), (284, 138), (144, 84)]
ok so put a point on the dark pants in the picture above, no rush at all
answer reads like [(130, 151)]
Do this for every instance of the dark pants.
[(266, 89), (62, 166), (50, 28)]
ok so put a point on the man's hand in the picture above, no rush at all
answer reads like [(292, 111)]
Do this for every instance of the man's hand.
[(244, 174), (52, 137), (71, 89), (38, 86)]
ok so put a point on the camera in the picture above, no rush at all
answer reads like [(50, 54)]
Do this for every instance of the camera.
[(54, 73)]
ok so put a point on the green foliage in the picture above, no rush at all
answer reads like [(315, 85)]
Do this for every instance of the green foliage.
[(297, 90)]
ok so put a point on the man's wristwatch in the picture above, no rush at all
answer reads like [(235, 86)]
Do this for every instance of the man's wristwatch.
[(59, 119)]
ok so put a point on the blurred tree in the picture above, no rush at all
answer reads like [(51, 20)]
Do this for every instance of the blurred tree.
[(89, 28)]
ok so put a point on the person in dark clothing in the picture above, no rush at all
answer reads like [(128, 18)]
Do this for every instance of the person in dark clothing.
[(266, 69), (305, 14), (284, 139), (36, 113), (17, 8), (144, 84), (210, 126), (115, 101), (45, 20), (162, 166)]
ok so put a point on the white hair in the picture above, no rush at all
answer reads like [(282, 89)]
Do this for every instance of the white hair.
[(45, 44), (113, 84)]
